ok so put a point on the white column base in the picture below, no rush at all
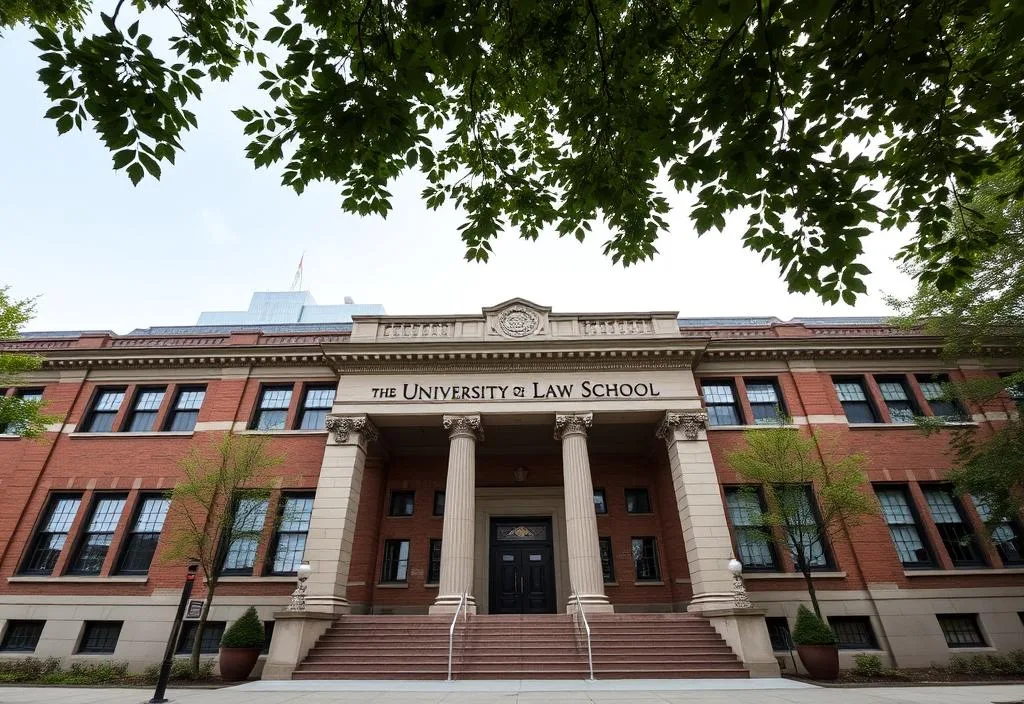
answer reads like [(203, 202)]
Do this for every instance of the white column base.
[(592, 604), (711, 600), (328, 604), (449, 604)]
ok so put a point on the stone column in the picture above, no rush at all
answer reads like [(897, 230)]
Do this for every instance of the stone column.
[(701, 509), (585, 575), (457, 536), (332, 525)]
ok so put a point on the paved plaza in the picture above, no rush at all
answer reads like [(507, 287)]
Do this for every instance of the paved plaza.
[(530, 692)]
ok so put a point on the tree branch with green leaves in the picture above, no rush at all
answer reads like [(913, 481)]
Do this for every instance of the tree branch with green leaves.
[(19, 416)]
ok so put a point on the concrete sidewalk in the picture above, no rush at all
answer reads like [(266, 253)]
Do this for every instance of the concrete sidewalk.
[(529, 692)]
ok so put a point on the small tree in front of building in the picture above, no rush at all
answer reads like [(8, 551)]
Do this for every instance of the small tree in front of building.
[(791, 468), (220, 511), (18, 415)]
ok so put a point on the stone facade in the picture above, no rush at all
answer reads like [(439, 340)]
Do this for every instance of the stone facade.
[(441, 425)]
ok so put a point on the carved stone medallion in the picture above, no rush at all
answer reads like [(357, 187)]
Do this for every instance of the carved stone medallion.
[(518, 321)]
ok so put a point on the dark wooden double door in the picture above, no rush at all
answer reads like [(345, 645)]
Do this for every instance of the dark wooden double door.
[(522, 566)]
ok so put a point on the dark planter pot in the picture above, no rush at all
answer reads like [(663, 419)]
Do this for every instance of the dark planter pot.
[(821, 661), (237, 663)]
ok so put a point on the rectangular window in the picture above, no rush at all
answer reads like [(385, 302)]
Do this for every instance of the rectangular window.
[(805, 537), (1015, 391), (273, 408), (143, 536), (142, 417), (765, 402), (720, 402), (607, 563), (210, 643), (855, 401), (21, 636), (932, 388), (853, 632), (315, 407), (438, 503), (1005, 535), (402, 503), (600, 504), (897, 399), (778, 633), (296, 512), (961, 630), (396, 561), (98, 535), (746, 509), (100, 418), (955, 533), (52, 534), (183, 416), (31, 395), (250, 515), (434, 564), (645, 559), (903, 526), (638, 501), (100, 636)]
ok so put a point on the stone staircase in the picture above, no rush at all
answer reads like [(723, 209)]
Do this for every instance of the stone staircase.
[(520, 647)]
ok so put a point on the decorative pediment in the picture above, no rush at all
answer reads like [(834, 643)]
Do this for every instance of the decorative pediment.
[(517, 318)]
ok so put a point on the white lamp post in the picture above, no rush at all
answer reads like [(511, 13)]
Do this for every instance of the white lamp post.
[(298, 602), (739, 591)]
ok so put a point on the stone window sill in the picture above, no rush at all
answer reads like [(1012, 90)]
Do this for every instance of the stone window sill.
[(747, 576), (430, 585), (282, 432), (254, 579), (649, 583), (72, 579), (906, 426), (960, 573), (611, 584), (168, 434), (9, 436), (764, 426), (392, 585)]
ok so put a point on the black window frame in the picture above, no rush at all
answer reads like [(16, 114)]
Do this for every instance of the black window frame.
[(638, 491), (845, 626), (779, 635), (917, 524), (745, 530), (828, 559), (88, 628), (134, 534), (652, 557), (712, 406), (305, 408), (439, 497), (26, 633), (954, 541), (134, 412), (399, 495), (244, 571), (281, 532), (95, 412), (77, 565), (954, 621), (262, 408), (778, 409), (38, 532), (868, 402), (176, 411), (434, 561), (905, 404), (210, 643), (604, 546), (958, 413), (389, 560), (1009, 524), (603, 503), (20, 393)]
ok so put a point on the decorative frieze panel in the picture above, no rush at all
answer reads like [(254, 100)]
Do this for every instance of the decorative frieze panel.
[(418, 330), (610, 327)]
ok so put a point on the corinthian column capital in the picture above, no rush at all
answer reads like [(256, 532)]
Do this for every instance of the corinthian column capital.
[(570, 423), (465, 426), (690, 423), (343, 427)]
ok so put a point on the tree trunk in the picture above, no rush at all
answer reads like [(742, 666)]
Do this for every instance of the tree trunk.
[(805, 570), (197, 644)]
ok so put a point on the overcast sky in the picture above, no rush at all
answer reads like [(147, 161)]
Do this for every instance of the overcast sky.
[(102, 254)]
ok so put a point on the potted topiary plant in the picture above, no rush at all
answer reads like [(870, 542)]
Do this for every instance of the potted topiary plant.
[(240, 647), (816, 644)]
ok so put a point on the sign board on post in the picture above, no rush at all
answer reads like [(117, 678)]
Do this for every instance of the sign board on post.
[(194, 609)]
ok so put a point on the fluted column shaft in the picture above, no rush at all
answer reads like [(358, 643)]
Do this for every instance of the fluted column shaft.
[(457, 537), (585, 575)]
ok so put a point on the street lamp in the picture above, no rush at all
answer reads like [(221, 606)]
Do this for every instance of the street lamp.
[(739, 590), (298, 602)]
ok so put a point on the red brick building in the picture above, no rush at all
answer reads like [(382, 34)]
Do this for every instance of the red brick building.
[(513, 458)]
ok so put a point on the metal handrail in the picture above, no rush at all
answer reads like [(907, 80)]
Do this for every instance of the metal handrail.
[(463, 602), (586, 628)]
